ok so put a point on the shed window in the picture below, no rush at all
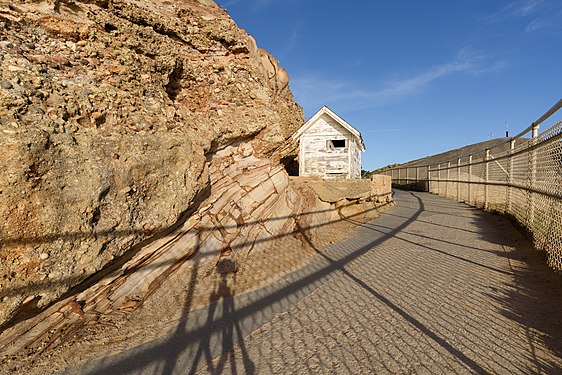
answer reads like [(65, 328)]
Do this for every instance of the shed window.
[(332, 144)]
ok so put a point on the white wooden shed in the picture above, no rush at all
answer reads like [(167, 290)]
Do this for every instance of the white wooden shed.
[(329, 147)]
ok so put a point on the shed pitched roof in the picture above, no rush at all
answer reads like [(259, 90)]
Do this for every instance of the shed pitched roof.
[(336, 118)]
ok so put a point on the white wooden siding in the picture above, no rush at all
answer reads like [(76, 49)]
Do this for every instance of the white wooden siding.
[(355, 155)]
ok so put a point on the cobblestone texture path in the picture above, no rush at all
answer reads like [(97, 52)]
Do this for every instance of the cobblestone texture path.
[(432, 287)]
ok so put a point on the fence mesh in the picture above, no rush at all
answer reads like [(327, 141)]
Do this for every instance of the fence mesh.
[(521, 179)]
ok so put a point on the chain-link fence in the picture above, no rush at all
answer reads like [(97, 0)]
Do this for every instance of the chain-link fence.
[(520, 177)]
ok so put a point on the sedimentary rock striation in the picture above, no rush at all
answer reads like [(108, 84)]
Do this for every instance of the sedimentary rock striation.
[(141, 143)]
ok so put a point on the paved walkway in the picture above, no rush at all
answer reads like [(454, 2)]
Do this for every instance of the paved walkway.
[(431, 287)]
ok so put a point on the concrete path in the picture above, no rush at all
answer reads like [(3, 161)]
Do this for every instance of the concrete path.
[(431, 287)]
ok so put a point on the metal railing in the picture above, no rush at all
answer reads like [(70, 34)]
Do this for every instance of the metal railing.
[(520, 177)]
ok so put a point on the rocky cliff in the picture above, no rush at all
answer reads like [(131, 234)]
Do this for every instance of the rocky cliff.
[(141, 145), (109, 114)]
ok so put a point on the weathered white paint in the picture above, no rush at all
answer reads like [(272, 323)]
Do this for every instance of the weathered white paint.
[(316, 158)]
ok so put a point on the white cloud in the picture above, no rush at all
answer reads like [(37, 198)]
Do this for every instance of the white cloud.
[(313, 91), (523, 8), (516, 9), (540, 14), (408, 86), (537, 24)]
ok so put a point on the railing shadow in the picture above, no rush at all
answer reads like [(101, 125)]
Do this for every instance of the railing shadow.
[(533, 297), (219, 293), (459, 355), (434, 296), (81, 284), (529, 292), (204, 348), (218, 327), (214, 339)]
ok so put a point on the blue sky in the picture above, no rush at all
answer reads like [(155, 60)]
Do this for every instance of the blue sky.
[(415, 77)]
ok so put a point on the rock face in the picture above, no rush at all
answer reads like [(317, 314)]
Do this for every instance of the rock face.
[(110, 111)]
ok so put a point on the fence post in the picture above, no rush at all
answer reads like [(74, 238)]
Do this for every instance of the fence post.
[(458, 179), (535, 131), (469, 178), (417, 174), (438, 179), (448, 176), (533, 176), (486, 178), (439, 183), (408, 175), (510, 176), (429, 178)]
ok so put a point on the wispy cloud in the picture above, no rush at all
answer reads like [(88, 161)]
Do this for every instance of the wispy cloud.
[(313, 91), (523, 8), (290, 42), (408, 86), (515, 9), (535, 25), (538, 14)]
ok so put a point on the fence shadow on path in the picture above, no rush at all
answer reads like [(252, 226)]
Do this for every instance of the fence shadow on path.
[(458, 354), (204, 338), (526, 290), (208, 347), (534, 296)]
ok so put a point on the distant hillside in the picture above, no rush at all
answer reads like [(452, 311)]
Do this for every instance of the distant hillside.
[(466, 150)]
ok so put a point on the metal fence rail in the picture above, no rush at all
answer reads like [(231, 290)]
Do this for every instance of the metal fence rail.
[(521, 177)]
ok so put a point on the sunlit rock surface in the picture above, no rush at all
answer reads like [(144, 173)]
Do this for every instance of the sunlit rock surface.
[(109, 114)]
